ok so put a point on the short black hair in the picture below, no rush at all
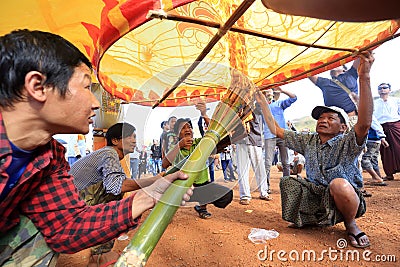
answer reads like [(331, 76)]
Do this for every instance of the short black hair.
[(333, 71), (118, 131), (388, 85), (170, 118), (179, 122), (22, 51)]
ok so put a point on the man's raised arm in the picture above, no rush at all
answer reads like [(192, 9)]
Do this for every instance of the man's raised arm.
[(269, 119), (365, 104)]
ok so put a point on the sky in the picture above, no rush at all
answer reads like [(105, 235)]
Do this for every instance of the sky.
[(386, 68)]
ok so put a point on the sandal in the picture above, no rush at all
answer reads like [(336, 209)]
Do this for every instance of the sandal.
[(376, 183), (267, 197), (244, 201), (357, 243), (365, 193), (388, 178), (203, 213)]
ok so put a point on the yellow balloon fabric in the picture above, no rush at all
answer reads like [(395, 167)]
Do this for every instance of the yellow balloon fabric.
[(137, 58)]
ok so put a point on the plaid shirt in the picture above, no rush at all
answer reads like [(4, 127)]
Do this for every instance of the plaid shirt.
[(46, 194)]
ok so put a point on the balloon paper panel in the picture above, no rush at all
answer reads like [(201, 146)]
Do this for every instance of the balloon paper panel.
[(139, 49)]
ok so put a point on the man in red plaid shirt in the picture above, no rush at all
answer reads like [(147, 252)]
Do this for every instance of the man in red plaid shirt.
[(45, 86)]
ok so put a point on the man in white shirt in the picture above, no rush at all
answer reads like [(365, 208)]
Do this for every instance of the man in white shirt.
[(387, 112)]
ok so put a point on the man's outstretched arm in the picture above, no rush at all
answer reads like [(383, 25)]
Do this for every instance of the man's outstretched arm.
[(269, 119), (365, 104)]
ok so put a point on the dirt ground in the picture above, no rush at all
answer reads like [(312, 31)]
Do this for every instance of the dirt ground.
[(223, 240)]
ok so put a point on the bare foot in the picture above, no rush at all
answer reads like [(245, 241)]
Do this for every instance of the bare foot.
[(100, 260)]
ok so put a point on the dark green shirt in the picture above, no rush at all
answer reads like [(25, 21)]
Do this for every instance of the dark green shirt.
[(203, 173)]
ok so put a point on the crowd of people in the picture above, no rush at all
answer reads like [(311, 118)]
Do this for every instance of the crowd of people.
[(51, 205)]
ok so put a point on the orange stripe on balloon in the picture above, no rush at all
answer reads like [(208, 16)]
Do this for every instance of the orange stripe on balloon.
[(118, 20), (167, 5), (153, 95), (181, 93), (93, 32)]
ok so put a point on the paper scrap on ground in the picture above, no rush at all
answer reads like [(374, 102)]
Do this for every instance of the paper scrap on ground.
[(260, 236)]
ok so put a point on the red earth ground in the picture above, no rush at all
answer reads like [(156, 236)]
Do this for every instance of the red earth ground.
[(223, 240)]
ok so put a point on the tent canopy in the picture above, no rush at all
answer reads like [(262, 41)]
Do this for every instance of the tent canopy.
[(138, 58)]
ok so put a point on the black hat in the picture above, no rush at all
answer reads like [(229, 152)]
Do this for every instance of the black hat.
[(179, 122)]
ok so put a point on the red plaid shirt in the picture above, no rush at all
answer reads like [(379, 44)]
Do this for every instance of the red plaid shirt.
[(46, 194)]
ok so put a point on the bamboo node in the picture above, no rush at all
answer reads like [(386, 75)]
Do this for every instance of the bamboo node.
[(215, 133)]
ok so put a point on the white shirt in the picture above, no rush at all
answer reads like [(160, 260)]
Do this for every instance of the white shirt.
[(135, 154), (387, 111), (72, 148), (226, 154)]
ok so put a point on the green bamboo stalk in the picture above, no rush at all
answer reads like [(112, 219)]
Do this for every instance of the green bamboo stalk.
[(224, 119), (147, 236)]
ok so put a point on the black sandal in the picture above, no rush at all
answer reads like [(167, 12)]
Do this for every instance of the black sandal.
[(365, 193), (356, 238), (203, 213)]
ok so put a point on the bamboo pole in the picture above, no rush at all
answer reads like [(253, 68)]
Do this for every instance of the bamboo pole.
[(224, 119), (250, 32)]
